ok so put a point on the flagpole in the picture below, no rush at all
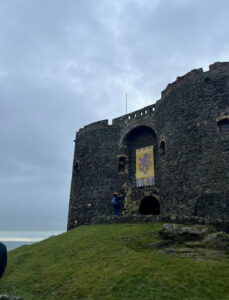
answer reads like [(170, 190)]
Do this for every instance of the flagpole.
[(126, 103)]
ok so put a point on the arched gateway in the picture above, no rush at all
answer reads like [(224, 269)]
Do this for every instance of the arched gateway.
[(149, 206)]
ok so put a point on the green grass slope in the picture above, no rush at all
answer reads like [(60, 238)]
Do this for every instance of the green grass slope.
[(110, 262)]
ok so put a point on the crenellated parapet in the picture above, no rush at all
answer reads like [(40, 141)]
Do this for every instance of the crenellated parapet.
[(136, 116), (194, 75)]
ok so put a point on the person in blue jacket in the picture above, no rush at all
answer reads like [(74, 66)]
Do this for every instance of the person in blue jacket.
[(3, 258), (116, 203)]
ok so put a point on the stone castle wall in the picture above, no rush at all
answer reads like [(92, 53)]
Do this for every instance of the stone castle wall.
[(191, 153), (217, 224)]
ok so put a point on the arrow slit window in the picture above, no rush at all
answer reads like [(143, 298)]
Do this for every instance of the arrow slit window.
[(122, 162)]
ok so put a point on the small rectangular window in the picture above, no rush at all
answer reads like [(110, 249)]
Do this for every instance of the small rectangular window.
[(122, 162)]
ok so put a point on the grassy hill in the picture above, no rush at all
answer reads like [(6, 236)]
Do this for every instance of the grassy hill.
[(110, 262)]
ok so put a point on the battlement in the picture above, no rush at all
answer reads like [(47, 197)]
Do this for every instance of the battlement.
[(98, 124), (148, 111), (219, 66), (194, 74), (181, 79)]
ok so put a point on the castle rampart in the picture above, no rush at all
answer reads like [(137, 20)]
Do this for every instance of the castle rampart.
[(145, 113), (189, 131)]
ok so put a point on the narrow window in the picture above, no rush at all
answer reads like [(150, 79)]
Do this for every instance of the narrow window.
[(223, 125), (76, 167), (121, 165), (162, 148)]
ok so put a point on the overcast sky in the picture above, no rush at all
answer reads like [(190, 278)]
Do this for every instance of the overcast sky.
[(65, 64)]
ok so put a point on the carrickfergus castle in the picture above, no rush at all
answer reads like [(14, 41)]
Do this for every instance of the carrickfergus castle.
[(169, 158)]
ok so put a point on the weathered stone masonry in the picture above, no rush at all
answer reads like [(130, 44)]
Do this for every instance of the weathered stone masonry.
[(189, 128)]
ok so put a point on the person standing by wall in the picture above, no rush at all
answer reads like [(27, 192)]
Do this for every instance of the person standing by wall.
[(115, 202), (3, 258)]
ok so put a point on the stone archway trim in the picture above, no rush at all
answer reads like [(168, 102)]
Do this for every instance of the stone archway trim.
[(128, 130)]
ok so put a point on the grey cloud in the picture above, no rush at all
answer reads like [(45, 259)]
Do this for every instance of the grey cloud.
[(64, 64), (172, 37)]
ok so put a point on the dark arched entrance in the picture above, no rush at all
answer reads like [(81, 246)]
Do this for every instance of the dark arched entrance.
[(138, 137), (149, 206)]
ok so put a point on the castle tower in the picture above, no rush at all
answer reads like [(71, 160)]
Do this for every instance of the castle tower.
[(182, 141)]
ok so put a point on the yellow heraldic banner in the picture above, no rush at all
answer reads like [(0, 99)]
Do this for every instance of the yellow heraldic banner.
[(145, 166)]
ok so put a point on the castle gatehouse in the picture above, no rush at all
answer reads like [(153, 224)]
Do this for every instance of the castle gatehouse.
[(171, 157)]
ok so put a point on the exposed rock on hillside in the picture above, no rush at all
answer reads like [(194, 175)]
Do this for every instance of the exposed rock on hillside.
[(198, 242), (178, 232)]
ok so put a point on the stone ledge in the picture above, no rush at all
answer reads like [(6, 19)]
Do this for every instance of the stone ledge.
[(219, 224), (8, 297)]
